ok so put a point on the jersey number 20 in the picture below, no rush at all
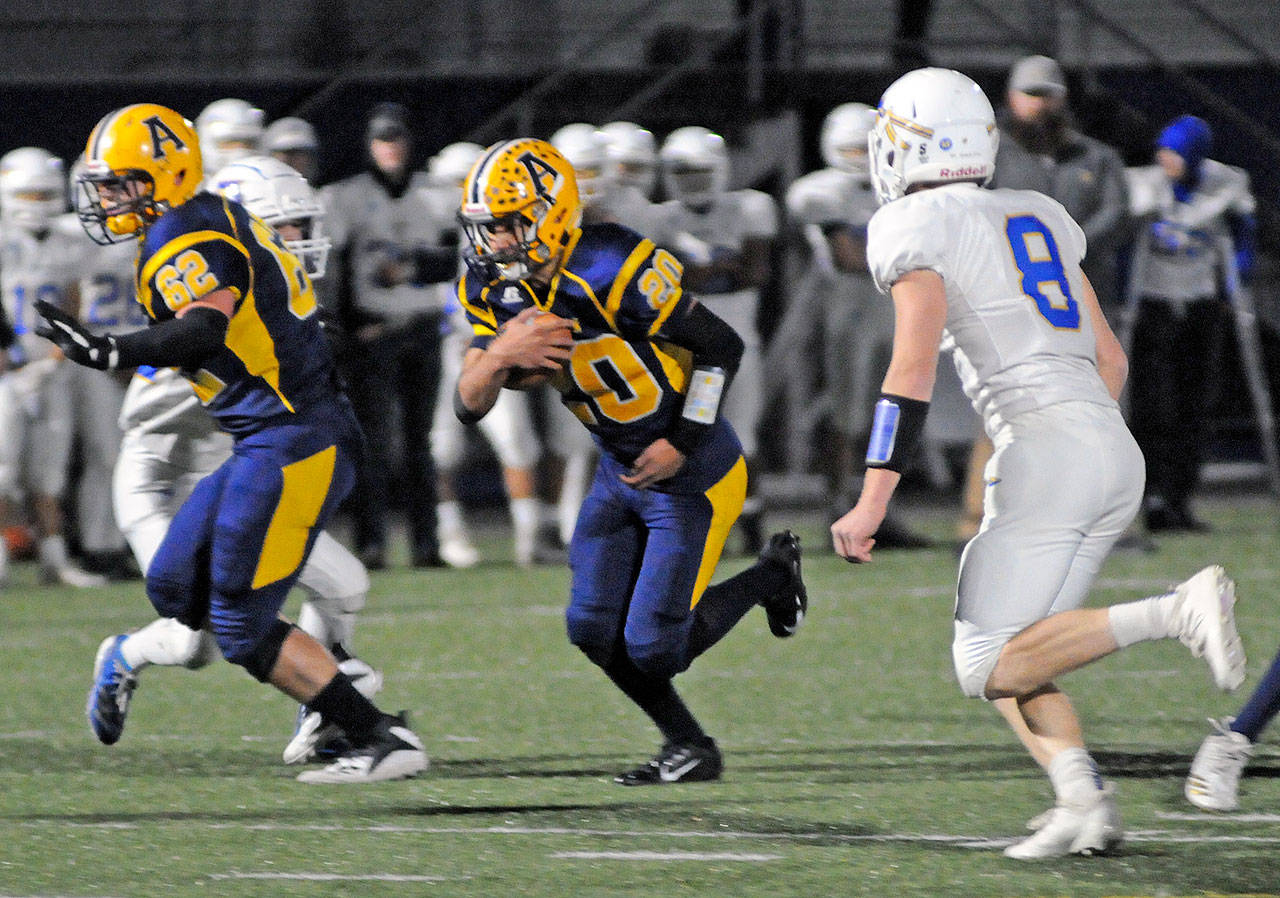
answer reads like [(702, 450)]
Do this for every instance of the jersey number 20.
[(1035, 252)]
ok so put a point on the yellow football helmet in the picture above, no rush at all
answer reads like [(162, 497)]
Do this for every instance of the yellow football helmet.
[(526, 188), (140, 162)]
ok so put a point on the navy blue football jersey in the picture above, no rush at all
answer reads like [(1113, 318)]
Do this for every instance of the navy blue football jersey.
[(623, 380), (275, 361)]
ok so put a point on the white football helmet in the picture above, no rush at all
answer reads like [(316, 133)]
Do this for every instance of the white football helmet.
[(293, 141), (695, 165), (450, 166), (634, 154), (228, 129), (33, 187), (278, 195), (933, 126), (588, 152), (844, 137)]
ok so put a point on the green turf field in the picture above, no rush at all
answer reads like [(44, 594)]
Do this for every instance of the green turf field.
[(854, 765)]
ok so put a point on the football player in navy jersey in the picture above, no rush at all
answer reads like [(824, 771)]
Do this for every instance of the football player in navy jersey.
[(231, 307), (599, 310)]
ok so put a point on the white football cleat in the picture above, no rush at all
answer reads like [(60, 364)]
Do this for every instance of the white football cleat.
[(394, 752), (458, 552), (1206, 624), (1214, 781), (70, 575), (1087, 829), (311, 730)]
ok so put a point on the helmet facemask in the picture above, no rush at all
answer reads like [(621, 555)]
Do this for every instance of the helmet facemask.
[(514, 262), (116, 205)]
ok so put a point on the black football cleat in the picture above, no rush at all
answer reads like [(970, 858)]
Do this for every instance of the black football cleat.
[(786, 608), (687, 762)]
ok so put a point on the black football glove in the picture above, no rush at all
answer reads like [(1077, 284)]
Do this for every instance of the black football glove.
[(76, 343)]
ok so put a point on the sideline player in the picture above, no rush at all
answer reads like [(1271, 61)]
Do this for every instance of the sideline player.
[(170, 443), (40, 260), (235, 310), (999, 272), (644, 367)]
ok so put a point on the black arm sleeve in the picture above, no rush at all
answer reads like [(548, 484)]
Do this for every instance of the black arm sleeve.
[(714, 343), (179, 342)]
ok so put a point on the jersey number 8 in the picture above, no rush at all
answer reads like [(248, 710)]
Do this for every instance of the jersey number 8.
[(1044, 280)]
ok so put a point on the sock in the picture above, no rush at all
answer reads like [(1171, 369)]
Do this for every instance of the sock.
[(657, 697), (1074, 776), (1262, 705), (449, 519), (723, 605), (53, 553), (525, 516), (341, 703), (168, 643), (1143, 620)]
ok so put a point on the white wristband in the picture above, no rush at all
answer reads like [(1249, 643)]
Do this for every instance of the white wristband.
[(702, 402)]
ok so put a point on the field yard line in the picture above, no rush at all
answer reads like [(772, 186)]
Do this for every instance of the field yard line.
[(963, 841), (664, 856), (1218, 818), (340, 877)]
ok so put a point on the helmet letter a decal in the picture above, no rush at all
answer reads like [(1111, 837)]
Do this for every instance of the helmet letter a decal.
[(160, 132), (546, 180)]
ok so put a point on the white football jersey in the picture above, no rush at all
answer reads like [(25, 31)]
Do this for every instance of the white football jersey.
[(1010, 260), (731, 219), (160, 400), (628, 206), (830, 196), (108, 285), (44, 267)]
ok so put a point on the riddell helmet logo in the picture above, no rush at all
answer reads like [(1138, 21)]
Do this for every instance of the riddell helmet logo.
[(967, 171)]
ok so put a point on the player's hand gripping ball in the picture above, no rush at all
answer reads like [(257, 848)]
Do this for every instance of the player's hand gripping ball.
[(541, 343)]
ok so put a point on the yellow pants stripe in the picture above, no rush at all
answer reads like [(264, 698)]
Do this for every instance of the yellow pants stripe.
[(306, 485), (726, 496)]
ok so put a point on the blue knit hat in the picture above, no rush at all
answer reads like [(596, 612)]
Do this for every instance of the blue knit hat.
[(1190, 138)]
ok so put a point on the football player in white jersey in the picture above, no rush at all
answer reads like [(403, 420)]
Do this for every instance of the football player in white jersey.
[(633, 158), (997, 272), (508, 428), (170, 443), (725, 239), (40, 257), (108, 304)]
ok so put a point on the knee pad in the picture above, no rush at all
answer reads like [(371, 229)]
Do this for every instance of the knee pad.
[(975, 653), (595, 641), (658, 659), (259, 658)]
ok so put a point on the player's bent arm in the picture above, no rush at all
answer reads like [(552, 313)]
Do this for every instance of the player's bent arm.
[(481, 380), (534, 341), (920, 313), (1113, 365), (194, 335), (717, 352)]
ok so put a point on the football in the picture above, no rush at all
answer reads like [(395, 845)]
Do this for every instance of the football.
[(531, 378)]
